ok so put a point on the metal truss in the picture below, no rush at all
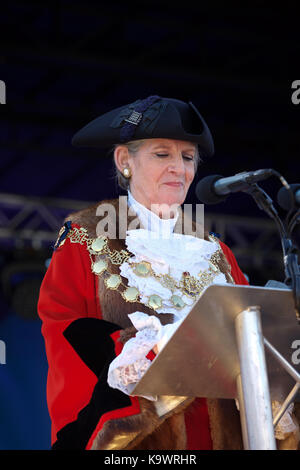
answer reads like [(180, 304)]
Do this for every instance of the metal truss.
[(35, 222), (254, 241)]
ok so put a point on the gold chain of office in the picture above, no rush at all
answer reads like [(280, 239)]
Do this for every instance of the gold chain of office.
[(188, 285)]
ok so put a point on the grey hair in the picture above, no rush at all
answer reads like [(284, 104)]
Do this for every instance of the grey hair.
[(133, 147)]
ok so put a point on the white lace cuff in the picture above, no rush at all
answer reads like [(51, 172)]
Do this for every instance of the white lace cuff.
[(129, 367), (286, 423)]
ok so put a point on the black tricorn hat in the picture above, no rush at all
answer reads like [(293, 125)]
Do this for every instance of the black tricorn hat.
[(150, 118)]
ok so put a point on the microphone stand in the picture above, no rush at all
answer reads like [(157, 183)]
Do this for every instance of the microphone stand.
[(290, 257), (294, 221)]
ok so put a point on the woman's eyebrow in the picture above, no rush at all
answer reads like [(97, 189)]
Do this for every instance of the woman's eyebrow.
[(161, 146), (166, 146)]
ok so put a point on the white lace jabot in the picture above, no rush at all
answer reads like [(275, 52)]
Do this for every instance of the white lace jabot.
[(173, 255)]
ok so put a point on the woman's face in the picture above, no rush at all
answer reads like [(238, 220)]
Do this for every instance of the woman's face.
[(162, 171)]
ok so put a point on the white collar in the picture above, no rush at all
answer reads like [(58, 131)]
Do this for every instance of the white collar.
[(150, 220)]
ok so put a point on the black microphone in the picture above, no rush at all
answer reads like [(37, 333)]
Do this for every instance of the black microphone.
[(286, 200), (215, 188)]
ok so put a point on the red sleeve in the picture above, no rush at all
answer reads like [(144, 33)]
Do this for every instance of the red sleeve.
[(236, 272), (66, 294)]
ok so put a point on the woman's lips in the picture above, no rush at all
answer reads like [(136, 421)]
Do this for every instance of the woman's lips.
[(174, 184)]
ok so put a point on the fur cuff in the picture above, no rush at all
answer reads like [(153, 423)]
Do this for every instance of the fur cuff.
[(145, 431)]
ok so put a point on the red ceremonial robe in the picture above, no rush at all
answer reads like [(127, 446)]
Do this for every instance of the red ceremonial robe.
[(80, 345)]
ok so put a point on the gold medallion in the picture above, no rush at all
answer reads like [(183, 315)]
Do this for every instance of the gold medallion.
[(177, 302), (98, 244), (99, 266), (130, 294), (155, 301), (142, 269), (113, 281)]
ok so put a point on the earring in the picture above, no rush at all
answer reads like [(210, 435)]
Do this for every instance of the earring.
[(127, 172)]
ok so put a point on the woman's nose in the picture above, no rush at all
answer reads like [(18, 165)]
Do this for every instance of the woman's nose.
[(177, 166)]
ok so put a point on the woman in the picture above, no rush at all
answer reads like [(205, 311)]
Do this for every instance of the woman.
[(111, 297)]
